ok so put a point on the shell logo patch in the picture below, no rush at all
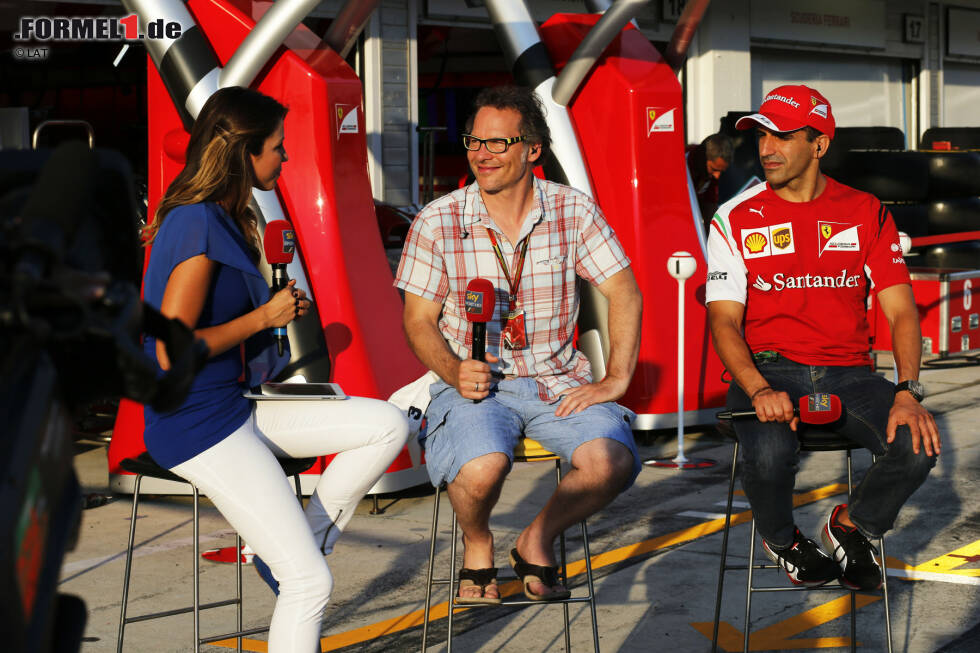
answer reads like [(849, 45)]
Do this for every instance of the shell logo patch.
[(771, 240), (756, 243)]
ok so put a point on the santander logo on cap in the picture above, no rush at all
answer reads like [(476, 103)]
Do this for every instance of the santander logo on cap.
[(791, 107)]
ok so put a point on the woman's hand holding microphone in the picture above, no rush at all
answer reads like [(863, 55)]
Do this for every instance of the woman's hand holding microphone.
[(286, 305)]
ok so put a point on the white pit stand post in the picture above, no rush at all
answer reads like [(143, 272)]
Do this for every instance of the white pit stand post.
[(681, 265)]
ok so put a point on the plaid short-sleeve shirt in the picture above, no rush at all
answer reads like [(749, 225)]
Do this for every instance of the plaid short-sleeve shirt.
[(448, 246)]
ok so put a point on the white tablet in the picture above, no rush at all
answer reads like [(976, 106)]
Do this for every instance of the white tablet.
[(296, 391)]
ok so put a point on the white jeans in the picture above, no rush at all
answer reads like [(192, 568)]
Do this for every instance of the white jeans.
[(242, 478)]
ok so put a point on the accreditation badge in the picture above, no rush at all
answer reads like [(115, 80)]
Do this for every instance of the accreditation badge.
[(513, 335)]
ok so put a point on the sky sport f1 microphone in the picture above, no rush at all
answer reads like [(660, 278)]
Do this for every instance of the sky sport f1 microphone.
[(818, 408), (280, 245), (480, 298)]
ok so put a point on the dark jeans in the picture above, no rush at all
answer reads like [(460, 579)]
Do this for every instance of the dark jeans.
[(770, 451)]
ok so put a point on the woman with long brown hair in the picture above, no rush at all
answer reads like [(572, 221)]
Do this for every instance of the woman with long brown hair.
[(202, 270)]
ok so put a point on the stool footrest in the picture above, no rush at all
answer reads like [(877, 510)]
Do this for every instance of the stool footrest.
[(744, 567), (825, 588), (236, 634), (171, 613), (511, 602), (508, 579)]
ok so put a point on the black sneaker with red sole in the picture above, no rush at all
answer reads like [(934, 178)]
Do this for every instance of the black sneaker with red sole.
[(803, 561), (857, 557)]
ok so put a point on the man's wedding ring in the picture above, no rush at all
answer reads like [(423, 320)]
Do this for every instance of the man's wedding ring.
[(477, 386)]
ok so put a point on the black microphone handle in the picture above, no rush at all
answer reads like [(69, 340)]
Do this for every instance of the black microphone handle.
[(735, 414), (744, 414), (480, 341), (279, 281), (279, 278)]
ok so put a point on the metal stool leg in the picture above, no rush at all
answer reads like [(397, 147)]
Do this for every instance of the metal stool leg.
[(564, 564), (129, 565), (749, 588), (299, 489), (588, 571), (722, 566), (850, 485), (884, 589), (884, 581), (197, 573), (238, 570), (453, 588), (432, 557)]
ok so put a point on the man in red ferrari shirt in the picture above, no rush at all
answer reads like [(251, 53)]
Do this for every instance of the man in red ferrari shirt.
[(790, 264)]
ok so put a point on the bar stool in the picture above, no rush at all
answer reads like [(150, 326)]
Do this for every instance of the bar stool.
[(527, 450), (812, 439), (144, 465)]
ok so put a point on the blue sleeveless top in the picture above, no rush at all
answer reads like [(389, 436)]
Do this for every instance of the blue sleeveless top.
[(214, 407)]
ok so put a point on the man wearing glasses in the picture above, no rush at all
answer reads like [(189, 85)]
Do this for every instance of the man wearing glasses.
[(531, 239)]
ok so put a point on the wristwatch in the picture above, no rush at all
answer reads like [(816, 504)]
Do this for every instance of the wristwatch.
[(914, 388)]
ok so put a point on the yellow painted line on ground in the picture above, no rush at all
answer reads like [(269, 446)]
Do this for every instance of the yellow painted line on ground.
[(944, 569), (441, 610), (780, 636), (950, 562)]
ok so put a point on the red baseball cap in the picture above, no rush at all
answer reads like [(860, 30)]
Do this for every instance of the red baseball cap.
[(792, 107)]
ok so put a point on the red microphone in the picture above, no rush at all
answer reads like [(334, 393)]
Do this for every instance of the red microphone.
[(818, 408), (480, 298), (280, 245)]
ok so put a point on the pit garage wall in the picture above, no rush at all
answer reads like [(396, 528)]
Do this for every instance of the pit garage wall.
[(387, 67), (881, 62), (961, 66)]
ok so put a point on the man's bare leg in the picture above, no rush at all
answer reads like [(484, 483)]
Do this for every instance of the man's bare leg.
[(473, 493), (600, 469)]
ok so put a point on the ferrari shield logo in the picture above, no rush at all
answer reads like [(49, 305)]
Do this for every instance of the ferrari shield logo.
[(346, 119), (837, 237), (659, 119)]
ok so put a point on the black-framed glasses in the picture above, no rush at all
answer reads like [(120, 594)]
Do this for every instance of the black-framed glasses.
[(494, 145)]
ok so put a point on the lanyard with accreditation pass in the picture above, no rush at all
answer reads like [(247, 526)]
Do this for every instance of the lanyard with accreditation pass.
[(512, 334)]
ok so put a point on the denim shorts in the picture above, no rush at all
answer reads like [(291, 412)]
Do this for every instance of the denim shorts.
[(458, 430)]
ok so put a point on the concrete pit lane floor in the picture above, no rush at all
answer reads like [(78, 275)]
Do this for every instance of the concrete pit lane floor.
[(655, 554)]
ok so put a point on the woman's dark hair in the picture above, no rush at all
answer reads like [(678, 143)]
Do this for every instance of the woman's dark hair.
[(234, 123), (524, 101)]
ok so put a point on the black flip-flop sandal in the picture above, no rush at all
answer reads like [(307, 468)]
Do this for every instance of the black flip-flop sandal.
[(482, 578), (546, 575)]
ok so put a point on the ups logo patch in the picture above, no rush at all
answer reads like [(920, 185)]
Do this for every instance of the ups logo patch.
[(782, 238)]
